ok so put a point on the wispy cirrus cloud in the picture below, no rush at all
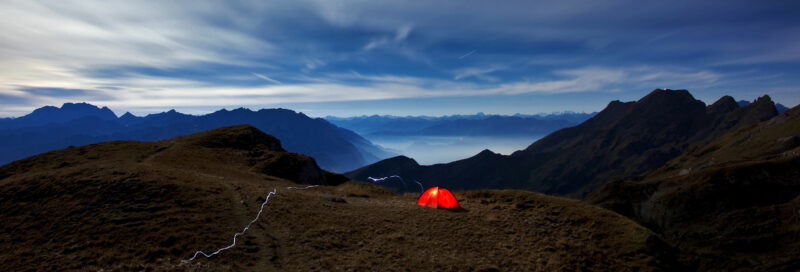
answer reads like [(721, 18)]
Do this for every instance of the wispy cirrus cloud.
[(400, 35), (478, 72), (467, 54), (353, 86), (268, 79), (148, 54)]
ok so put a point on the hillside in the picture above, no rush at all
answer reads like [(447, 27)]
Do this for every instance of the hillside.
[(624, 140), (150, 205), (734, 200), (51, 128)]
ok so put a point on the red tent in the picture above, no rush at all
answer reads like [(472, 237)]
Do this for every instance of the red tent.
[(438, 197)]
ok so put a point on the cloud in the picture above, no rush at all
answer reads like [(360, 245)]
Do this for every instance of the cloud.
[(574, 80), (312, 64), (468, 54), (60, 92), (400, 35), (140, 53), (376, 43), (153, 94), (673, 77), (54, 46), (266, 78), (344, 87), (663, 36), (9, 100), (606, 79), (110, 33), (784, 53), (478, 72)]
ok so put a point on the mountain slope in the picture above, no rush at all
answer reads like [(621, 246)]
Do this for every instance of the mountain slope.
[(734, 200), (148, 206), (51, 128), (623, 140)]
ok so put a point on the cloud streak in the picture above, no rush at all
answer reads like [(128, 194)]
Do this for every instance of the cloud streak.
[(150, 54), (139, 94), (268, 79), (468, 54), (400, 35), (478, 72)]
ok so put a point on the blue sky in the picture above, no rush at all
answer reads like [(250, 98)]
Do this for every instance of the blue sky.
[(392, 57)]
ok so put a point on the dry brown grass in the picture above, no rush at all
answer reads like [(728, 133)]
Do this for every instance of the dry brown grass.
[(729, 204), (147, 206)]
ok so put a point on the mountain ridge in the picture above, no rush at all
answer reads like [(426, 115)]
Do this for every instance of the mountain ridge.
[(734, 196), (335, 148), (51, 114), (625, 139)]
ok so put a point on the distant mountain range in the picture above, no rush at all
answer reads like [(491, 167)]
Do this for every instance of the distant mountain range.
[(461, 125), (50, 128), (625, 139)]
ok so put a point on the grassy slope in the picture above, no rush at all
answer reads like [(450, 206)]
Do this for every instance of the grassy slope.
[(133, 206), (732, 202)]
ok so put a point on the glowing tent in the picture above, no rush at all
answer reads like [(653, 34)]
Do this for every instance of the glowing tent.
[(437, 197)]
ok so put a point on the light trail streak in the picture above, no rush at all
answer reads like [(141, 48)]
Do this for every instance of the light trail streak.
[(421, 189), (302, 188), (376, 180), (274, 191)]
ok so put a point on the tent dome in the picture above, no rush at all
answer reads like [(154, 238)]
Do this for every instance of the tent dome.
[(438, 197)]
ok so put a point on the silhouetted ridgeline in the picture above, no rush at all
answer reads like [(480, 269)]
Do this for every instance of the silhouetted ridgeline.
[(734, 199), (50, 128), (625, 139)]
